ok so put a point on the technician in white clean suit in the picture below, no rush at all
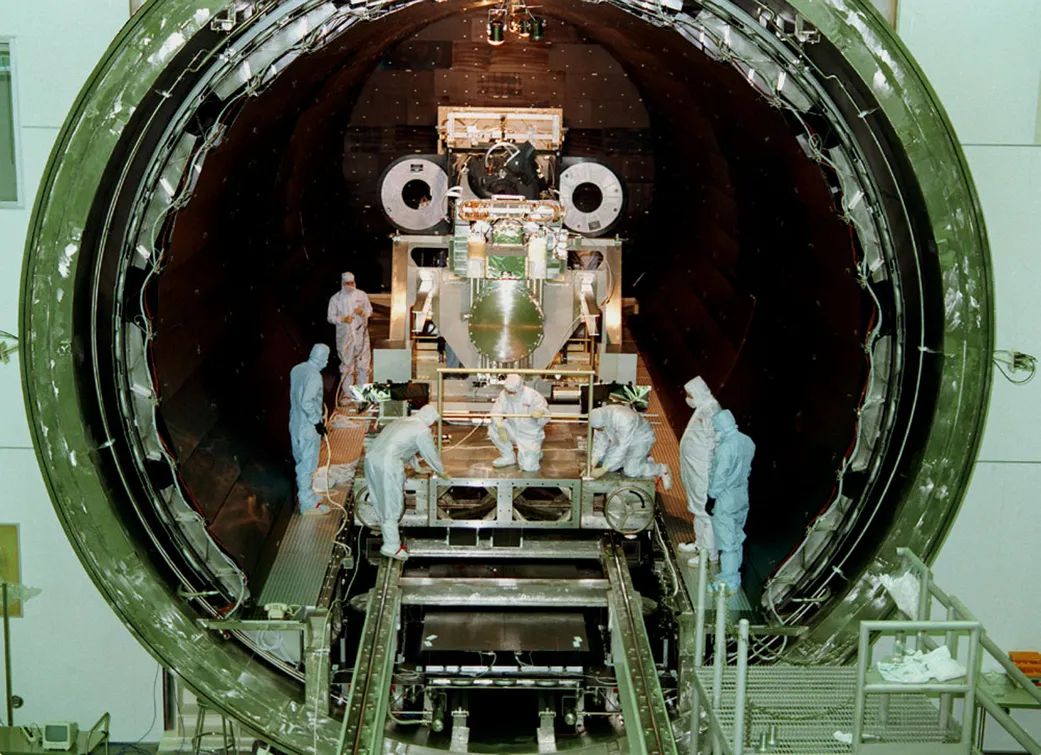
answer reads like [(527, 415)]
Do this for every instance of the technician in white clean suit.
[(696, 448), (350, 310), (400, 443), (622, 439), (526, 432)]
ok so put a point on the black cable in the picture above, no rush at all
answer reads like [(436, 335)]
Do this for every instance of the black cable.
[(155, 711)]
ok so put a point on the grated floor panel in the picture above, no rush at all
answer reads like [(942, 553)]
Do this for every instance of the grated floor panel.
[(303, 557), (808, 705)]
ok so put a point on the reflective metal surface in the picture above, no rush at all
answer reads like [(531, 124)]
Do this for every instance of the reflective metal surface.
[(412, 193), (506, 322)]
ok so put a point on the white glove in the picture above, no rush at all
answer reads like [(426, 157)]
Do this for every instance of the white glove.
[(538, 414), (598, 472)]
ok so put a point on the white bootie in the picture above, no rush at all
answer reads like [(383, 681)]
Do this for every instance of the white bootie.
[(691, 547), (666, 479), (504, 461), (399, 554)]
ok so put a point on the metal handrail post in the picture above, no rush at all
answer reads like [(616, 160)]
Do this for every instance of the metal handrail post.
[(718, 661), (947, 699), (699, 631), (925, 600), (440, 408), (699, 651), (695, 717), (589, 429), (741, 687), (968, 722), (863, 660)]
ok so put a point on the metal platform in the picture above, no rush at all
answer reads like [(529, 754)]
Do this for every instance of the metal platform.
[(303, 558), (467, 452), (806, 706), (477, 495)]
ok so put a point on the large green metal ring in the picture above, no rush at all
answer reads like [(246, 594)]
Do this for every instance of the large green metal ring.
[(109, 545)]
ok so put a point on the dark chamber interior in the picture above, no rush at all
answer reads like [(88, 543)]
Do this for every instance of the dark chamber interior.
[(742, 268)]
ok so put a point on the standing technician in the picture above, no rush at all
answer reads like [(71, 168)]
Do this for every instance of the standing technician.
[(350, 310)]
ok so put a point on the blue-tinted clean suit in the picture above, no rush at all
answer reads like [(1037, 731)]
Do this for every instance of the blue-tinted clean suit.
[(728, 484), (306, 408)]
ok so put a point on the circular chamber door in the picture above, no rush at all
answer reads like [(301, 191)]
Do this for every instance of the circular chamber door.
[(629, 510), (506, 322), (593, 198), (412, 193)]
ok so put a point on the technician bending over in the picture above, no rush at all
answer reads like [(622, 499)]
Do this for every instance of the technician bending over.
[(622, 439), (526, 432), (306, 410), (350, 310), (397, 445), (728, 484), (696, 448)]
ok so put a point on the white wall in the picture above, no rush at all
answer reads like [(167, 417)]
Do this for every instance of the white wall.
[(73, 659), (984, 61)]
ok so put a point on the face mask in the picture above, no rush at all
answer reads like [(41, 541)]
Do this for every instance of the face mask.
[(692, 403)]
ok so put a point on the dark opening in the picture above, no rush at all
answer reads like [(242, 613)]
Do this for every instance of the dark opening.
[(416, 193), (742, 267), (587, 197)]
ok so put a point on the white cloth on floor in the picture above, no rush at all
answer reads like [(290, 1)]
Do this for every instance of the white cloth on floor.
[(338, 474), (846, 737), (918, 667)]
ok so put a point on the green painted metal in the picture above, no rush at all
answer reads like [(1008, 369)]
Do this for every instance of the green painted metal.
[(365, 717), (647, 724), (216, 669), (223, 671), (963, 253)]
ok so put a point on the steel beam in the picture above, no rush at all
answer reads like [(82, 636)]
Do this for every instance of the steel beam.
[(566, 549), (365, 717), (647, 724), (421, 591)]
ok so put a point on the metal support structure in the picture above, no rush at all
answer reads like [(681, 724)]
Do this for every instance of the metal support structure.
[(956, 611), (699, 649), (366, 713), (317, 637), (612, 309), (576, 550), (719, 655), (647, 724), (867, 684), (742, 681), (490, 592)]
